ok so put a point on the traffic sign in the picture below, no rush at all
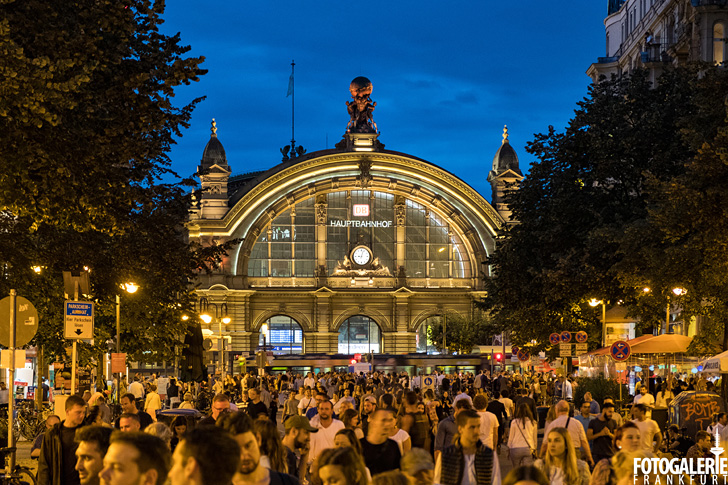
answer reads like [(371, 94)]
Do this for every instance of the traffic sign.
[(554, 338), (565, 337), (79, 320), (523, 356), (565, 350), (428, 382), (514, 350), (26, 321), (620, 350), (582, 349), (581, 336)]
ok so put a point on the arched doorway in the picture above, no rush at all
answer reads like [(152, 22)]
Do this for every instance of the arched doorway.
[(359, 335), (283, 336), (424, 344)]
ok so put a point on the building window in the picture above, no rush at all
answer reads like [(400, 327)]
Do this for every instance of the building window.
[(284, 335), (359, 335), (432, 249), (424, 344), (719, 43)]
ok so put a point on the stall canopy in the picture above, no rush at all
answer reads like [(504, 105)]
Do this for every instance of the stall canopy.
[(653, 344), (718, 364)]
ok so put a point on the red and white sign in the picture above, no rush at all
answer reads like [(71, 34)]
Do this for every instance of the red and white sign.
[(360, 210)]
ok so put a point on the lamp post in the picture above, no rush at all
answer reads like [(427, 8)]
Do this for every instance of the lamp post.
[(264, 331), (593, 303), (677, 292), (222, 317), (130, 288)]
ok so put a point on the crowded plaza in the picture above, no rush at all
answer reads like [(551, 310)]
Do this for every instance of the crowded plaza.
[(335, 428)]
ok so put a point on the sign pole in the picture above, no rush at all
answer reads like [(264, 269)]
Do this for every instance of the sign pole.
[(11, 399), (73, 353)]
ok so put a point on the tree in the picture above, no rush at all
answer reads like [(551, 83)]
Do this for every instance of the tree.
[(462, 332), (588, 184), (87, 120), (86, 109), (683, 240)]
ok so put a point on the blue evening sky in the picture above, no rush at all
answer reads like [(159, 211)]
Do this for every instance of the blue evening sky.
[(447, 75)]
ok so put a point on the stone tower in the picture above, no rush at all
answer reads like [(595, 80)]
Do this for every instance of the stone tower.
[(505, 176), (214, 173)]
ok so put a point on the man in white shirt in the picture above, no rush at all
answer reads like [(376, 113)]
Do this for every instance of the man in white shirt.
[(488, 422), (136, 388), (507, 402), (644, 397), (309, 381), (575, 429), (649, 430), (327, 429)]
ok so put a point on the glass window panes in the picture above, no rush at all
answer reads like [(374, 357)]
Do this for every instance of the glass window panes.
[(359, 334), (284, 335), (424, 344), (287, 246)]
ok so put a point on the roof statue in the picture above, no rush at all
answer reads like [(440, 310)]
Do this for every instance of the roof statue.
[(360, 110)]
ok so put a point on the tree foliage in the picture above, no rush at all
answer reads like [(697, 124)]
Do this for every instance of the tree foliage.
[(87, 118), (591, 200), (461, 332)]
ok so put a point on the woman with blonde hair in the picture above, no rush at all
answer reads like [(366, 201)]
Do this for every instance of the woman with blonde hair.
[(153, 402), (559, 463), (341, 466)]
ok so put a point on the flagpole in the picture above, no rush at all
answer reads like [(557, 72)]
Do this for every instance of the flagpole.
[(293, 97)]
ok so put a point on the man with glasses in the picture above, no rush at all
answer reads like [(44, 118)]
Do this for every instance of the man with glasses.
[(220, 406)]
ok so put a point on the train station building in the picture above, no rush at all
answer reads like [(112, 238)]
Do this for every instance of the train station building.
[(354, 249)]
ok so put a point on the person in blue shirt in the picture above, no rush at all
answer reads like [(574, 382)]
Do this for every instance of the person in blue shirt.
[(594, 408)]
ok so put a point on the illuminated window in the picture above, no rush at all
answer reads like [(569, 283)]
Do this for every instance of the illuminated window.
[(718, 43), (285, 335), (424, 344), (359, 335)]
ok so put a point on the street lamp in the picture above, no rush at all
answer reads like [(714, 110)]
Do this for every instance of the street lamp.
[(221, 315), (593, 303), (677, 292), (130, 288)]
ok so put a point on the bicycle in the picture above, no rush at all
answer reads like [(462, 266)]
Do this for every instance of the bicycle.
[(19, 476)]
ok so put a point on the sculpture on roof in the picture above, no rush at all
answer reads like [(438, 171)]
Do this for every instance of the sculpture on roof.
[(360, 110)]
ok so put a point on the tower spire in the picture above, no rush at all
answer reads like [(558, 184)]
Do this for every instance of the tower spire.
[(213, 129), (505, 133)]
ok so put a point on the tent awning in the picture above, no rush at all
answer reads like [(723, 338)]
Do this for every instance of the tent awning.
[(716, 364), (653, 344)]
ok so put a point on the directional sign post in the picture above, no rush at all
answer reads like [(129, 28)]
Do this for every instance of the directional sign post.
[(554, 338), (79, 320), (620, 351), (565, 350)]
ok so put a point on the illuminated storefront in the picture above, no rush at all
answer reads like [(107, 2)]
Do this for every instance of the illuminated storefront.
[(346, 251)]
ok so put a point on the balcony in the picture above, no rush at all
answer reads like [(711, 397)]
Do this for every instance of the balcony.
[(656, 53)]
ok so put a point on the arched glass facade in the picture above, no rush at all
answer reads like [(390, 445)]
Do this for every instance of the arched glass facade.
[(286, 246), (359, 334), (424, 344), (284, 335)]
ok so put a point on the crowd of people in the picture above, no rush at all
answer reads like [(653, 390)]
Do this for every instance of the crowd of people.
[(339, 428)]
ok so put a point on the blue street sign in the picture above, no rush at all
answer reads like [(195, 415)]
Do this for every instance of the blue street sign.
[(620, 350), (566, 337), (523, 356), (581, 336), (554, 338)]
